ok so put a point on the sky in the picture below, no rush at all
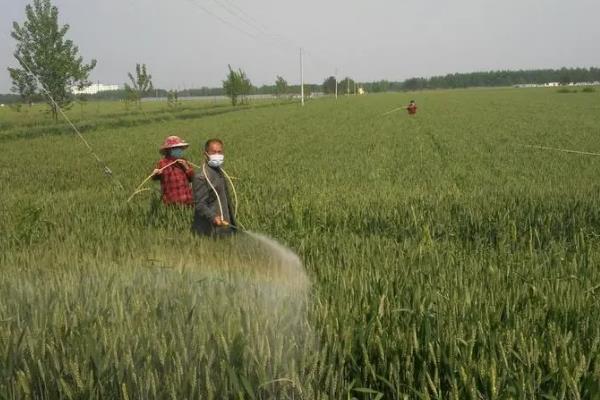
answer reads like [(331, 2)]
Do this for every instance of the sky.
[(189, 43)]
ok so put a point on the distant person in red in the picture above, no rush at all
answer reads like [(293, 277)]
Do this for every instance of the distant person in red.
[(412, 108), (174, 173)]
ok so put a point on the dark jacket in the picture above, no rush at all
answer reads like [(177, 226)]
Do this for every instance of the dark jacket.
[(206, 204)]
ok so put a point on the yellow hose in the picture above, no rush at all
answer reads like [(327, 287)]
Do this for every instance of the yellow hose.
[(137, 190), (214, 190), (235, 197), (203, 168)]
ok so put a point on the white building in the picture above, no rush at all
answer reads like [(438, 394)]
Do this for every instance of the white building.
[(556, 84), (95, 88)]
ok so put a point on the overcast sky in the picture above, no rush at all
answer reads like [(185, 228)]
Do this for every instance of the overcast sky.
[(185, 43)]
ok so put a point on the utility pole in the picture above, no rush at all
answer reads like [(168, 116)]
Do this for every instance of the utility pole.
[(336, 72), (301, 78)]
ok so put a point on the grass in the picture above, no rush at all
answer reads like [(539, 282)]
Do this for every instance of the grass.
[(445, 260)]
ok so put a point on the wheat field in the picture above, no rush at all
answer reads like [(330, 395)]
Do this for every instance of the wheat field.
[(430, 257)]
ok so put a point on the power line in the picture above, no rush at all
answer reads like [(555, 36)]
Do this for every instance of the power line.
[(103, 164), (238, 8), (251, 27), (241, 17), (259, 31), (256, 24), (209, 12)]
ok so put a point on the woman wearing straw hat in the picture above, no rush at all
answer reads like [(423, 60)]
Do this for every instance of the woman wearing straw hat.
[(174, 173)]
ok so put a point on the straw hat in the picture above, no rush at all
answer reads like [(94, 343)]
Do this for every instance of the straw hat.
[(172, 142)]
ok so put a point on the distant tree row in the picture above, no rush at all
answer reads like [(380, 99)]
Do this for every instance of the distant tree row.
[(503, 78), (50, 67), (343, 87), (382, 86)]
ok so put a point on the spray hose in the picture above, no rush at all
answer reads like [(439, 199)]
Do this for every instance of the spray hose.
[(140, 188), (585, 153), (226, 223), (214, 190)]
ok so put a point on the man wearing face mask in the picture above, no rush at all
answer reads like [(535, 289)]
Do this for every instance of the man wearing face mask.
[(213, 214)]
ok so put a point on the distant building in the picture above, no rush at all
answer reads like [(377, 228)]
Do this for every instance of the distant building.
[(596, 83), (95, 88), (556, 84)]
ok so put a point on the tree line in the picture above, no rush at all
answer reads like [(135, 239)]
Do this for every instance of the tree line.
[(49, 62), (503, 78)]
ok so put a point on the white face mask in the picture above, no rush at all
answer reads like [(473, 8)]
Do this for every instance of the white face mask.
[(215, 160)]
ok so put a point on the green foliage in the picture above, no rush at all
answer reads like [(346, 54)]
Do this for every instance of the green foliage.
[(588, 89), (502, 78), (566, 90), (31, 125), (16, 107), (445, 261), (346, 86), (141, 84), (44, 52), (281, 86), (237, 85), (329, 85), (9, 98), (173, 99), (378, 87)]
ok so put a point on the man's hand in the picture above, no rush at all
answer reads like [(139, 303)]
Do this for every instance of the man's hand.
[(183, 163), (218, 221), (156, 172)]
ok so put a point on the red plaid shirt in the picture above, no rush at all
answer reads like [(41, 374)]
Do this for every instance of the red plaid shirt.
[(175, 182)]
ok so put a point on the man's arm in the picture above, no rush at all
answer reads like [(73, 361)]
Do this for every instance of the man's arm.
[(201, 197)]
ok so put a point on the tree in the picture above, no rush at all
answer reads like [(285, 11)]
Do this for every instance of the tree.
[(172, 99), (377, 87), (346, 86), (565, 77), (141, 84), (329, 85), (82, 99), (281, 86), (232, 86), (50, 63), (246, 86), (237, 84), (414, 84)]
